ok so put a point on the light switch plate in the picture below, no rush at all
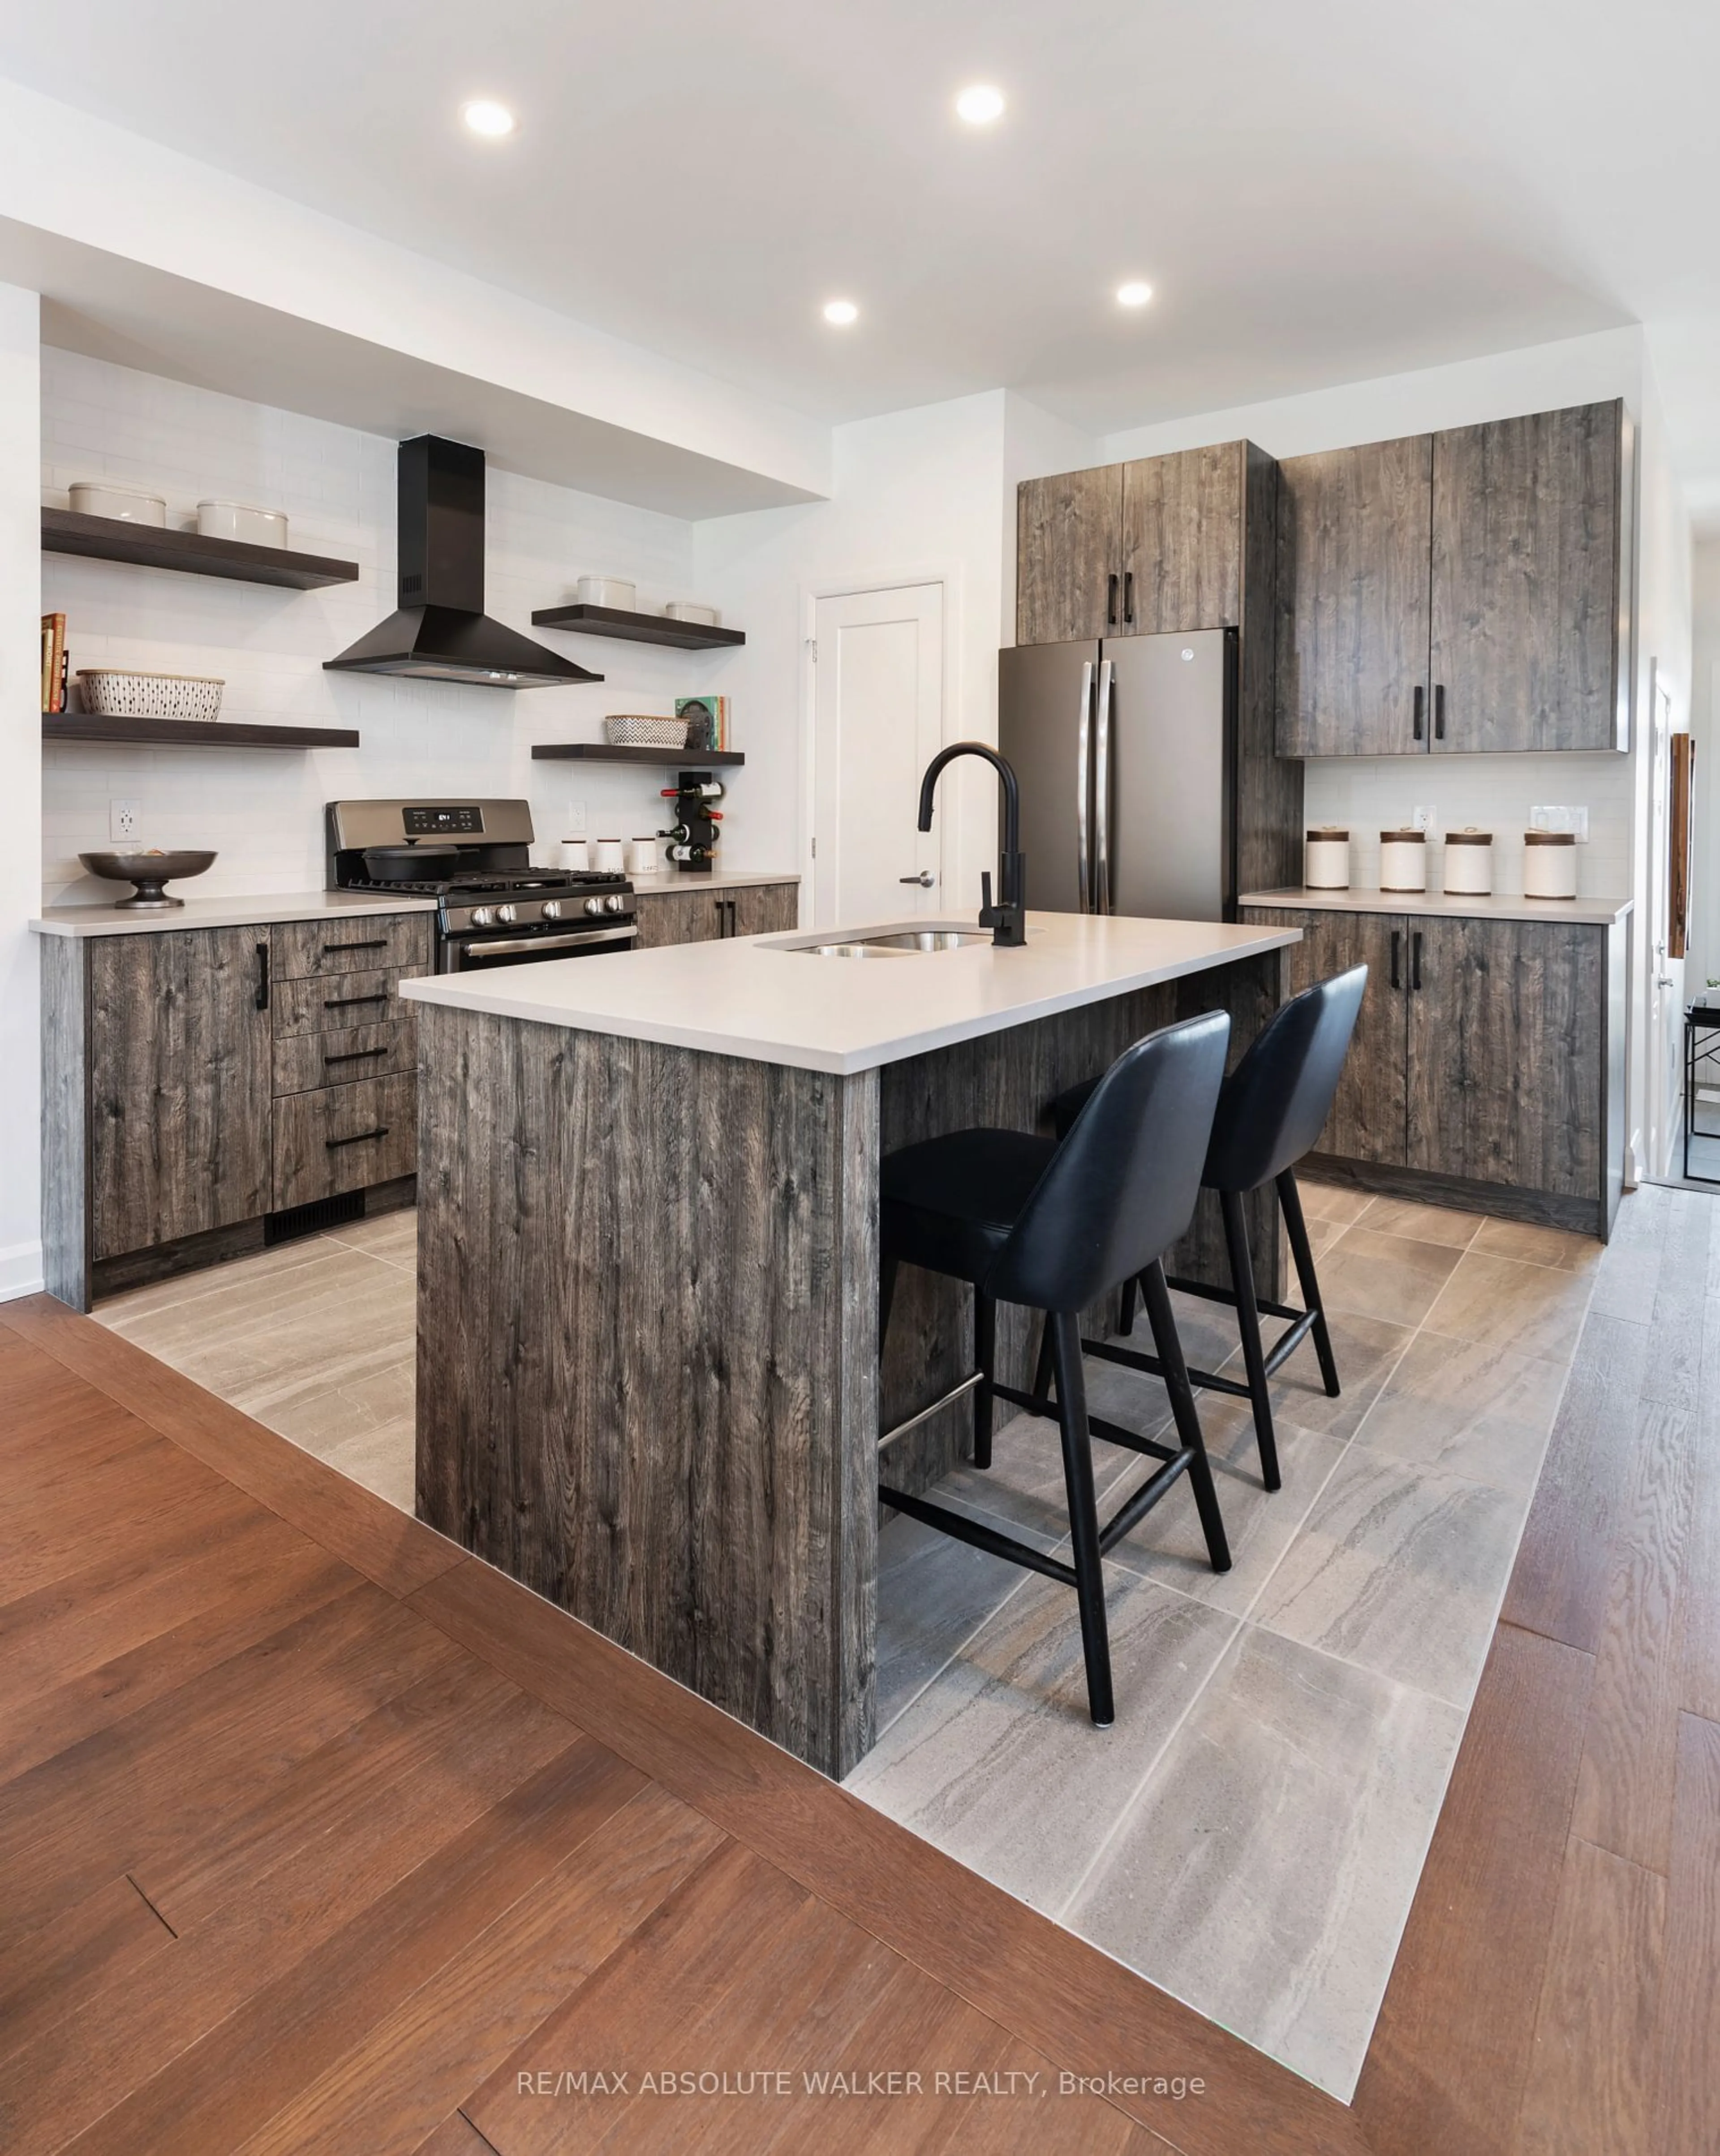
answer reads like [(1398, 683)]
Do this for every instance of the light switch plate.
[(125, 822), (1551, 819)]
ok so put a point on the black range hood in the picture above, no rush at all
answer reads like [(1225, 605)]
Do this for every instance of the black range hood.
[(439, 631)]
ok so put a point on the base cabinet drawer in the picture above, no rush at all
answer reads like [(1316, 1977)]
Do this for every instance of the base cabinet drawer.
[(299, 948), (305, 1061), (696, 916), (344, 1137), (335, 1003)]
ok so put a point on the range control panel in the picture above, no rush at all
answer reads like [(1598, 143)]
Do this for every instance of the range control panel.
[(443, 823)]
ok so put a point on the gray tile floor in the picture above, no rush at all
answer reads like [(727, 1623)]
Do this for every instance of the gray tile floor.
[(1250, 1832)]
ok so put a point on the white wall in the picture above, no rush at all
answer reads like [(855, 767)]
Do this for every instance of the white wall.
[(262, 812), (20, 767)]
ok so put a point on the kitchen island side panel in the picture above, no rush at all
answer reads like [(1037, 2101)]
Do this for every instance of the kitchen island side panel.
[(1008, 1080), (647, 1354)]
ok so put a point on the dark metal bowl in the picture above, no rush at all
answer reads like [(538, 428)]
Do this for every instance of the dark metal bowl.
[(148, 872)]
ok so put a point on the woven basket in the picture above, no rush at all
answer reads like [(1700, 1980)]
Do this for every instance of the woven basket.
[(110, 694), (627, 730)]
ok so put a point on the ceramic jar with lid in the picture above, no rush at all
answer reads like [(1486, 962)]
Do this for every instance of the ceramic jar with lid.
[(1469, 863), (1326, 859), (1403, 860), (1549, 864)]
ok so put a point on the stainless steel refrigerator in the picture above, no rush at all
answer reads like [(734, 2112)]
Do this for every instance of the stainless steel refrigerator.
[(1126, 750)]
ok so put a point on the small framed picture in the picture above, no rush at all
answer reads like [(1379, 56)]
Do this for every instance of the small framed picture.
[(707, 720)]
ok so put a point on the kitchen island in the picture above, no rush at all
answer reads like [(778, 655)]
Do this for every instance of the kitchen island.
[(648, 1369)]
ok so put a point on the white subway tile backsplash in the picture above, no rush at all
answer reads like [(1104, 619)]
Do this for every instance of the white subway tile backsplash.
[(262, 811)]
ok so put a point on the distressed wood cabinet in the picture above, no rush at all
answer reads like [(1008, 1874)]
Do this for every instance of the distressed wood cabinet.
[(1488, 1067), (1068, 556), (1458, 591), (695, 916), (201, 1081)]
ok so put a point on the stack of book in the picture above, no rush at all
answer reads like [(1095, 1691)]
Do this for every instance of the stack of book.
[(54, 662)]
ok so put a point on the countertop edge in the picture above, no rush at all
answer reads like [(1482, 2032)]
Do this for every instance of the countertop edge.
[(244, 910), (669, 882), (453, 995), (1582, 912)]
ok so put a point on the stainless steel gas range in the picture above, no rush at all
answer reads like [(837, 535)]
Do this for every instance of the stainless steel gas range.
[(472, 858)]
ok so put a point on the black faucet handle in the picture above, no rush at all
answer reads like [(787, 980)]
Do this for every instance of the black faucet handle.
[(985, 903)]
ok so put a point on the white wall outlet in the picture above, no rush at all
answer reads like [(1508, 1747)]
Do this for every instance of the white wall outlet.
[(1424, 819), (125, 822), (576, 820)]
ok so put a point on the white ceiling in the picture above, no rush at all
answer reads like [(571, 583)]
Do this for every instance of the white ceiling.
[(1318, 192)]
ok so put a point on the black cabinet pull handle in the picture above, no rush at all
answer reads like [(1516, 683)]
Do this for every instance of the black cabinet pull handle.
[(1111, 600), (1438, 711), (348, 1003), (359, 1137), (262, 977), (1397, 949), (375, 944), (1415, 959), (351, 1056), (1128, 595), (1415, 706)]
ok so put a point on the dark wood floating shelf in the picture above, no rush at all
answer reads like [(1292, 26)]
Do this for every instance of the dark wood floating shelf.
[(191, 733), (682, 759), (639, 628), (113, 539)]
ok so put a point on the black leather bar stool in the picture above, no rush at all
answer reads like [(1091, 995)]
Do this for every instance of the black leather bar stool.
[(1054, 1227), (1271, 1113)]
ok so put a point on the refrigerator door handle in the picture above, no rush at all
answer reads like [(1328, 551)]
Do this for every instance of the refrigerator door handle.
[(1084, 874), (1101, 793)]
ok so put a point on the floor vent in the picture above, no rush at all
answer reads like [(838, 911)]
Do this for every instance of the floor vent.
[(311, 1219)]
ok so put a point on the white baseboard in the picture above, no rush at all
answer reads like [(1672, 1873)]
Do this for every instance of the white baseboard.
[(20, 1270)]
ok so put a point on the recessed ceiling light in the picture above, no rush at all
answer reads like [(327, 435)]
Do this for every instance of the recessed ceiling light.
[(1133, 295), (980, 105), (485, 116), (842, 312)]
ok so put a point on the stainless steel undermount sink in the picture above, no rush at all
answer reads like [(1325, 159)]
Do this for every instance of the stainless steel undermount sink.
[(897, 943)]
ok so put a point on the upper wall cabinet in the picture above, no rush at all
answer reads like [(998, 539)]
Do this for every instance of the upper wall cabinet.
[(1458, 591), (1132, 550), (1530, 555), (1353, 535)]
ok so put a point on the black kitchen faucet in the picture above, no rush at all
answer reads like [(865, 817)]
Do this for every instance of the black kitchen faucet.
[(1008, 919)]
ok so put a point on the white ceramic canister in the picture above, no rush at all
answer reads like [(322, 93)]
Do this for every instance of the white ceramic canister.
[(618, 591), (642, 857), (1326, 859), (1549, 864), (125, 505), (608, 857), (1469, 863), (575, 853), (1403, 860)]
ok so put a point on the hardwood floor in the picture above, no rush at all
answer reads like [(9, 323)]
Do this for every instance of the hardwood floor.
[(314, 1833)]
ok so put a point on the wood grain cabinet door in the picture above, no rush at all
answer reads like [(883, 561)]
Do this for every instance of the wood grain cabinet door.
[(1182, 541), (1369, 1115), (1068, 556), (1506, 1052), (1353, 537), (180, 1085), (678, 917), (1528, 538), (765, 909)]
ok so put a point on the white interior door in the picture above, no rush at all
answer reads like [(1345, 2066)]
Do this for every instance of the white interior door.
[(878, 722), (1664, 1076)]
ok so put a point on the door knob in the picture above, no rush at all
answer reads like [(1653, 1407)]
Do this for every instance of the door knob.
[(925, 879)]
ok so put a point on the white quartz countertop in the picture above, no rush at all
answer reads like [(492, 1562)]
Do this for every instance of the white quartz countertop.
[(664, 879), (237, 911), (763, 998), (1591, 913)]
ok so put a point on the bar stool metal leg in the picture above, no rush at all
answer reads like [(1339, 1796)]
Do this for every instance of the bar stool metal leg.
[(1163, 1318), (1083, 1512), (985, 1335), (1248, 1321), (1290, 1198)]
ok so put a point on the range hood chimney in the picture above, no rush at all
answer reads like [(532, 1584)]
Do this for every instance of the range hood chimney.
[(439, 631)]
